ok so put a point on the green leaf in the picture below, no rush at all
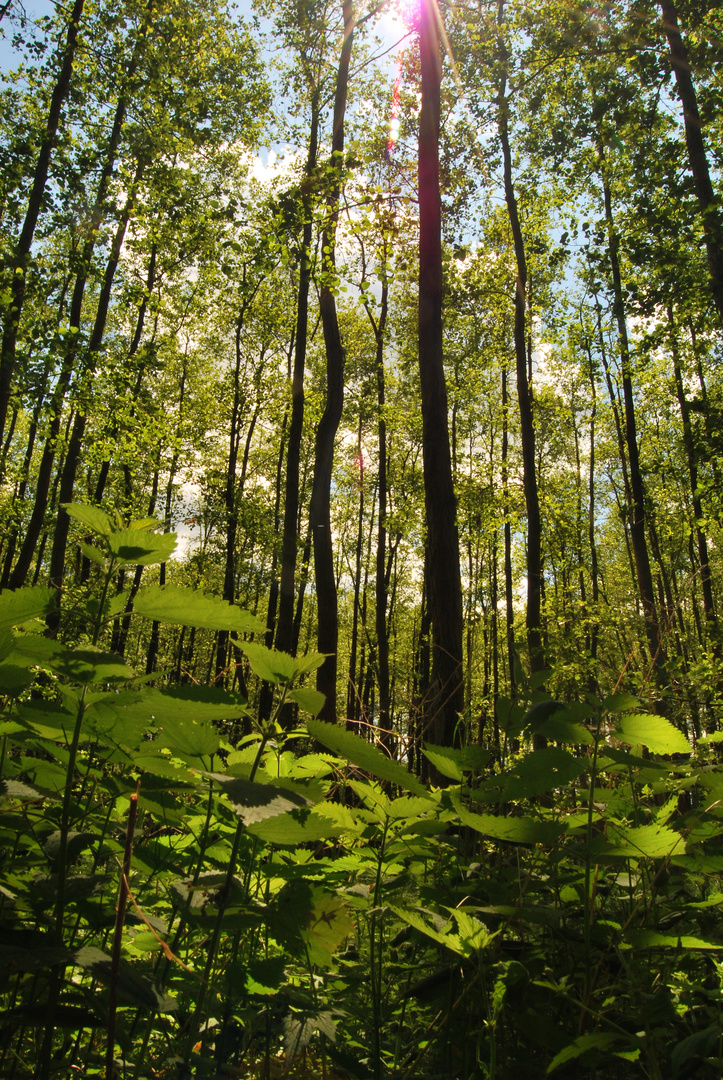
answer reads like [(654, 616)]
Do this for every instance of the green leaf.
[(652, 841), (269, 664), (515, 830), (296, 827), (191, 738), (93, 554), (540, 771), (254, 802), (651, 939), (190, 607), (134, 986), (21, 605), (309, 700), (558, 729), (620, 703), (142, 548), (85, 666), (367, 757), (655, 732), (596, 1041), (14, 680), (452, 762), (92, 517)]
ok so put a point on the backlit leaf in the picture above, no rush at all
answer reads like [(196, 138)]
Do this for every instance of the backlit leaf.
[(191, 607), (655, 732), (363, 754)]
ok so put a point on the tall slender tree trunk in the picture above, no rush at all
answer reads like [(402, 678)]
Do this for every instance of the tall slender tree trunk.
[(697, 158), (524, 398), (290, 539), (509, 595), (320, 510), (638, 511), (72, 457), (19, 263), (446, 706)]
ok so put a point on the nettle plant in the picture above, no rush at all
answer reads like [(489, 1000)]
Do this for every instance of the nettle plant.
[(186, 892)]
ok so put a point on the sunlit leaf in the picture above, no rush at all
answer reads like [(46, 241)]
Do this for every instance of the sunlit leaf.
[(255, 802), (655, 732), (598, 1040), (92, 517), (367, 757), (190, 607), (134, 986)]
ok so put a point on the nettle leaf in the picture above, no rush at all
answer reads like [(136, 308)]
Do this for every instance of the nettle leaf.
[(440, 931), (142, 548), (655, 732), (197, 739), (255, 802), (206, 892), (78, 842), (651, 939), (135, 987), (452, 762), (15, 789), (14, 680), (308, 699), (300, 1026), (618, 703), (93, 554), (85, 666), (92, 517), (179, 606), (598, 1040), (515, 830), (559, 729), (367, 757), (540, 771), (21, 605), (269, 664), (297, 827), (652, 841), (266, 976)]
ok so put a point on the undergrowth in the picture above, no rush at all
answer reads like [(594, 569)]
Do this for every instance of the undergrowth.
[(188, 893)]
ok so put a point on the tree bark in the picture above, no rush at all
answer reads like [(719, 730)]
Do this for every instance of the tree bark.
[(697, 158), (446, 706), (19, 264), (320, 510), (289, 545)]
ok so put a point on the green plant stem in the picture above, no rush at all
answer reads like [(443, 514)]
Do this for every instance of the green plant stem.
[(196, 1019), (118, 934)]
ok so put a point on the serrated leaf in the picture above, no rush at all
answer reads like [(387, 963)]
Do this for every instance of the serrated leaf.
[(191, 738), (558, 729), (620, 703), (255, 802), (85, 666), (92, 517), (14, 680), (367, 757), (308, 699), (179, 606), (20, 605), (303, 825), (205, 893), (300, 1026), (15, 789), (540, 771), (135, 987), (655, 732), (651, 939), (93, 554), (142, 548), (598, 1040), (269, 664), (515, 830), (652, 841)]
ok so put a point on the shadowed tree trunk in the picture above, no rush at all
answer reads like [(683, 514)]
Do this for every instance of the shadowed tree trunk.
[(21, 256), (446, 704), (709, 207), (320, 510)]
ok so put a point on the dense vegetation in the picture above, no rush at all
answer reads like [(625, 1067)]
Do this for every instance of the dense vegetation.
[(403, 759)]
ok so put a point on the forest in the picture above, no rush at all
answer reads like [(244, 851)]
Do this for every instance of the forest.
[(361, 444)]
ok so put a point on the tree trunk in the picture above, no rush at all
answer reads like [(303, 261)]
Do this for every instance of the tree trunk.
[(320, 510), (524, 397), (709, 208), (444, 580), (285, 627), (19, 264), (638, 514)]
